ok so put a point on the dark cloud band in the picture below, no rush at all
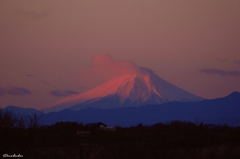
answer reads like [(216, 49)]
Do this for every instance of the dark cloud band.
[(59, 93), (14, 91), (237, 61), (220, 72), (29, 75)]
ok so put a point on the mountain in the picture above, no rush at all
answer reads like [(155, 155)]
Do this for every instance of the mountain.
[(139, 88), (21, 111), (216, 111)]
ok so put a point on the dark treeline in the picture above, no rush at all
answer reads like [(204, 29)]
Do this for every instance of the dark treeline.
[(177, 139)]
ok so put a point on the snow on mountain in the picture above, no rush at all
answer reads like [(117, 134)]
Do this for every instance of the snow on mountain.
[(134, 89)]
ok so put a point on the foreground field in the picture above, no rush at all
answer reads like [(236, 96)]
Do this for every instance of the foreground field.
[(94, 141)]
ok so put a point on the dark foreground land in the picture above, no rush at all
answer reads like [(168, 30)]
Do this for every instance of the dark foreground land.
[(70, 140)]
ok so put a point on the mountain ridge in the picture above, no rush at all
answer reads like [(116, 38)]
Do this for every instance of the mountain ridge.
[(225, 110), (211, 111)]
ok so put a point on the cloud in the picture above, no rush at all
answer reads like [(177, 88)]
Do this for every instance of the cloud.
[(105, 63), (237, 61), (59, 93), (104, 68), (2, 92), (220, 72), (29, 75), (14, 91), (221, 60), (32, 15), (81, 87)]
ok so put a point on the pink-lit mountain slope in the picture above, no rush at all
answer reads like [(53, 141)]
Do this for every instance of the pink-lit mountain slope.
[(135, 89)]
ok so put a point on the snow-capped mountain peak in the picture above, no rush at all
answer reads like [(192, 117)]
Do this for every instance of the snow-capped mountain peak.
[(133, 89)]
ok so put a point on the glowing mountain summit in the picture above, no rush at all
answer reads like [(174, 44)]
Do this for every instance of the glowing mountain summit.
[(133, 89)]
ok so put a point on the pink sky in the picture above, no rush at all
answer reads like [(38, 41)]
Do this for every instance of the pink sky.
[(46, 46)]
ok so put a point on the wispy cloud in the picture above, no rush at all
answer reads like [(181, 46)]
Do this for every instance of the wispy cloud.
[(60, 93), (81, 87), (221, 60), (32, 15), (220, 72), (237, 61), (14, 91), (29, 75), (2, 92), (104, 68)]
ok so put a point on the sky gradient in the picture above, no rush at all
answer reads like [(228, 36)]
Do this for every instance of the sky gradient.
[(47, 48)]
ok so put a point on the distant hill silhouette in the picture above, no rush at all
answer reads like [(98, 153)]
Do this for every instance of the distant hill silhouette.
[(216, 111), (22, 111)]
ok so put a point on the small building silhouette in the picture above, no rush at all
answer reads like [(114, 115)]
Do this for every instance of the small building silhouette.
[(103, 127)]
